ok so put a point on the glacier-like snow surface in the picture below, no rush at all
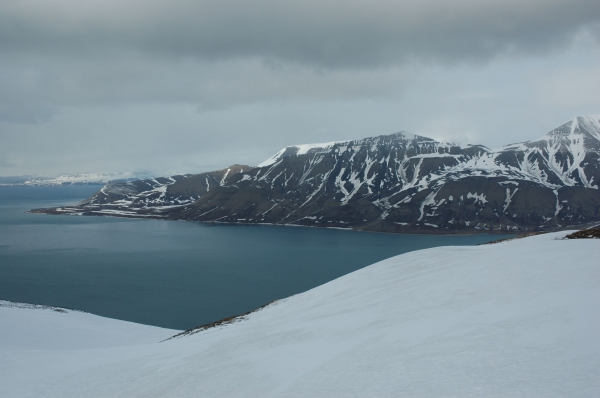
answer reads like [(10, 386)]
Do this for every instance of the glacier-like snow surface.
[(513, 319)]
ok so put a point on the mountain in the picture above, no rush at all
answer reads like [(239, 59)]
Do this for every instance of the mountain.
[(512, 319), (153, 197), (390, 183), (71, 179)]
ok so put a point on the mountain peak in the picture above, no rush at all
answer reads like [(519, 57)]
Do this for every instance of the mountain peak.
[(579, 125), (589, 124), (303, 149)]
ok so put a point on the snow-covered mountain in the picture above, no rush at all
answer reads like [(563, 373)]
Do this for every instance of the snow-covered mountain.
[(392, 183), (72, 179), (512, 319), (152, 197)]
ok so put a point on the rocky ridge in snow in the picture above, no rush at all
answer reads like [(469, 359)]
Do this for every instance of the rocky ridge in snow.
[(393, 183)]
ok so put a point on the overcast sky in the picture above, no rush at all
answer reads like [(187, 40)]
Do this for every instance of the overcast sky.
[(186, 86)]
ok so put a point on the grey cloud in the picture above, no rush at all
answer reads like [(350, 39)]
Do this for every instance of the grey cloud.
[(217, 54), (30, 113), (330, 34), (34, 89), (185, 86), (5, 163)]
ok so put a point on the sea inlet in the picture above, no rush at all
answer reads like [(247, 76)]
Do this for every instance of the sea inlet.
[(173, 274)]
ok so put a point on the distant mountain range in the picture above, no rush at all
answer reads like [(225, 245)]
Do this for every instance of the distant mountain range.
[(390, 183), (71, 179)]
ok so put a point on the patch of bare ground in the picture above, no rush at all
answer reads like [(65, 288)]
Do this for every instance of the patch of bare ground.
[(516, 237), (589, 233), (593, 227), (222, 322)]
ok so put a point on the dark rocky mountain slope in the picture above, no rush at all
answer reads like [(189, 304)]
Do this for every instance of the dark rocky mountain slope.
[(390, 183)]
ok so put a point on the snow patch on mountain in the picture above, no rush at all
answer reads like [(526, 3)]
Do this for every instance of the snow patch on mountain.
[(297, 150)]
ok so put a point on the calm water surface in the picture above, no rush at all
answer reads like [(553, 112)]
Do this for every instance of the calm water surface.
[(170, 273)]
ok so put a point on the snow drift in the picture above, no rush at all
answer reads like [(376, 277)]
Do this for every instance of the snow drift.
[(517, 318)]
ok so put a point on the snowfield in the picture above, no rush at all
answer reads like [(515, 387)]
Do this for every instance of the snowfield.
[(515, 319)]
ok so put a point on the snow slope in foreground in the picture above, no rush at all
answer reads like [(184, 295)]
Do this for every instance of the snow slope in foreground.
[(519, 318)]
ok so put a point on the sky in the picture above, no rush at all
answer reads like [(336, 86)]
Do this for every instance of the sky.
[(187, 86)]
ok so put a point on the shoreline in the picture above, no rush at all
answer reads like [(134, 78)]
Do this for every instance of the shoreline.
[(74, 212)]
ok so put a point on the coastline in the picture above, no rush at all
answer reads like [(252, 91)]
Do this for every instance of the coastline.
[(78, 212)]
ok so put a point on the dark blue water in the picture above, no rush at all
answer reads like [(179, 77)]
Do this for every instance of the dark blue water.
[(170, 273)]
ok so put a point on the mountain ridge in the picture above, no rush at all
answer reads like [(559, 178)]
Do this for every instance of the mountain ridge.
[(388, 183)]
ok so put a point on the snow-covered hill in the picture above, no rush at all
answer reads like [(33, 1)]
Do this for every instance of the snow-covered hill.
[(392, 183), (26, 327), (518, 318)]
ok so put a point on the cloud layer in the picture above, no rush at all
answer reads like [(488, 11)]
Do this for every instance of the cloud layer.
[(111, 58), (332, 33)]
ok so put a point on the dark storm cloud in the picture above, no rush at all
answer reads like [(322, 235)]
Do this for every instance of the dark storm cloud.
[(333, 33)]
